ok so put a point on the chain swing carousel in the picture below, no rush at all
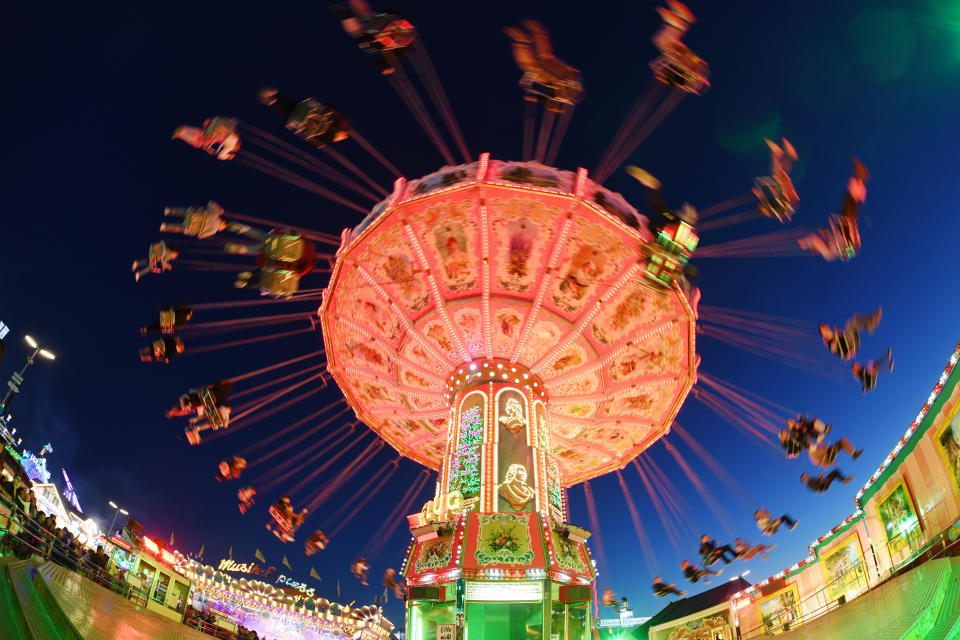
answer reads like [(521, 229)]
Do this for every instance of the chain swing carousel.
[(494, 322)]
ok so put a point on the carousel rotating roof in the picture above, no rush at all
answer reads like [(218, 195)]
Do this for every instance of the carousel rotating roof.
[(516, 261)]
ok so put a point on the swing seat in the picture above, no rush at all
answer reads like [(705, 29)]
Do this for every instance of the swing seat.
[(211, 411), (556, 92), (845, 237), (669, 253), (680, 75), (711, 558), (157, 349), (395, 34), (167, 318), (283, 531), (772, 202), (282, 247), (279, 283), (318, 124), (193, 435)]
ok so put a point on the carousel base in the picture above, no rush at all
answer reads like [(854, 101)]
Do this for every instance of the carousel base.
[(498, 610), (47, 602)]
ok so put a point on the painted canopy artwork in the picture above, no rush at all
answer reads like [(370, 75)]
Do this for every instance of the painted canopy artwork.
[(515, 261), (898, 516), (843, 566), (700, 629), (781, 609)]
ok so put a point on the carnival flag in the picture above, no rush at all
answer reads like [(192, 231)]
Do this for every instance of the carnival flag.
[(338, 588), (259, 556), (285, 563), (230, 553), (200, 555), (171, 538), (314, 574)]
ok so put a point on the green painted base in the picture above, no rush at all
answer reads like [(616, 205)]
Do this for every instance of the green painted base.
[(499, 610)]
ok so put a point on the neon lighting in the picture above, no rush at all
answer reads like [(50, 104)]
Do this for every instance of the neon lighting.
[(465, 469), (151, 546), (70, 494), (293, 584), (250, 567), (553, 483), (123, 544), (35, 466)]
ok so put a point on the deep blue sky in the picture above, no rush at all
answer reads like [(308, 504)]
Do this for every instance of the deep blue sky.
[(92, 96)]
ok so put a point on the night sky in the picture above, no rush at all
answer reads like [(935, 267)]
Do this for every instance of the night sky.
[(94, 92)]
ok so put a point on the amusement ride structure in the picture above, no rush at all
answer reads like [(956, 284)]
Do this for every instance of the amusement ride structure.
[(494, 322), (518, 328)]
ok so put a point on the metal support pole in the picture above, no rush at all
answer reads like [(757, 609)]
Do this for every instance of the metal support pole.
[(115, 514)]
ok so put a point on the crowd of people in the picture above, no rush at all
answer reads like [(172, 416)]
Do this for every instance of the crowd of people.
[(206, 621), (28, 532)]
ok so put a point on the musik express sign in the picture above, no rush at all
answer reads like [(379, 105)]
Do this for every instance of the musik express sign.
[(293, 584), (227, 564)]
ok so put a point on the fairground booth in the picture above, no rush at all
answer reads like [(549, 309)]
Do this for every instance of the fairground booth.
[(276, 610), (152, 570), (705, 616), (508, 325)]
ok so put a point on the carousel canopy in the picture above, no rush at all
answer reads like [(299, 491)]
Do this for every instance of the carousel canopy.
[(512, 262)]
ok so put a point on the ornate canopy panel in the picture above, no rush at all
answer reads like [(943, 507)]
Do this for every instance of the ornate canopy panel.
[(513, 261)]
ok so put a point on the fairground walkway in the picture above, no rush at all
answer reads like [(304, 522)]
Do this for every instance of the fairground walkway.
[(920, 604), (47, 602)]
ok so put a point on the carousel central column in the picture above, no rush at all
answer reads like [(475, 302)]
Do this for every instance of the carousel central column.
[(498, 456), (493, 556)]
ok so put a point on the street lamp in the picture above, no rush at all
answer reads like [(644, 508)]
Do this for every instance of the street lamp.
[(37, 350), (115, 513), (16, 380)]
